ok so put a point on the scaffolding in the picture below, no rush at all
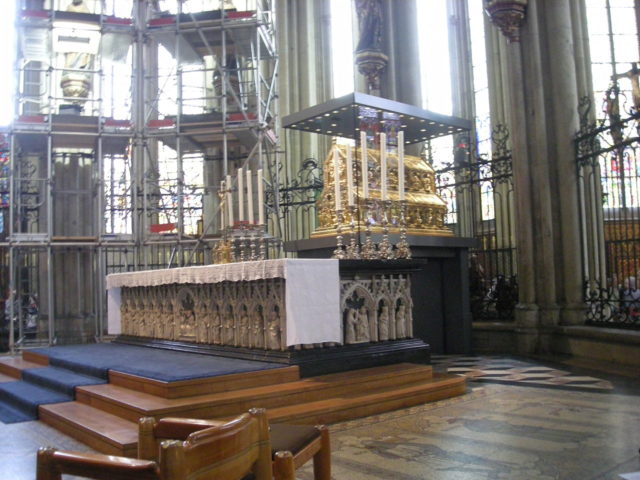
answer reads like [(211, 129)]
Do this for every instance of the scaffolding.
[(128, 116)]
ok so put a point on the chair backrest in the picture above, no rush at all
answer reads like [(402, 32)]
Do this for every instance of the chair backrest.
[(152, 432), (52, 464), (228, 451)]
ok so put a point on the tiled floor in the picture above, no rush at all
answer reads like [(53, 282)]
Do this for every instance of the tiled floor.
[(500, 369), (496, 431)]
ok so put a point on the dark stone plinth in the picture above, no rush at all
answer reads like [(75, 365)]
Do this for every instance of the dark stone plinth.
[(311, 361), (439, 285)]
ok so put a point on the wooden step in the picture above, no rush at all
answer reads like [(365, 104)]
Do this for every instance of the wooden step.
[(132, 405), (203, 386), (13, 366), (111, 434), (101, 431), (35, 357), (332, 410), (6, 378)]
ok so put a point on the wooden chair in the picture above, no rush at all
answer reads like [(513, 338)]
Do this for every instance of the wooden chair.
[(304, 442), (229, 451), (52, 464)]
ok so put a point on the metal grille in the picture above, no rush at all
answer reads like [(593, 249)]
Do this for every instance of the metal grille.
[(609, 180), (479, 193)]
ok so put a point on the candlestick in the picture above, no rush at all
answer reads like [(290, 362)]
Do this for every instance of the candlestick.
[(353, 251), (403, 250), (339, 252), (240, 196), (229, 201), (250, 216), (368, 251), (260, 198), (336, 179), (383, 166), (401, 192), (350, 201), (364, 165)]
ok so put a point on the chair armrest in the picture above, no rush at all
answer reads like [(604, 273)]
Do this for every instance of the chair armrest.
[(51, 463)]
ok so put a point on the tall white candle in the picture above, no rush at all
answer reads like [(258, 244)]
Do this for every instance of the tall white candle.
[(349, 177), (364, 165), (222, 212), (383, 166), (229, 201), (260, 198), (401, 195), (250, 197), (336, 178), (240, 196)]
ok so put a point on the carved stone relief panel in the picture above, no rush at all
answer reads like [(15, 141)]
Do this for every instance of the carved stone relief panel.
[(376, 308), (243, 314)]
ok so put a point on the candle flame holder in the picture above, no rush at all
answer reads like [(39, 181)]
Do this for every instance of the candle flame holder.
[(368, 251), (353, 250), (339, 252), (403, 250), (385, 249)]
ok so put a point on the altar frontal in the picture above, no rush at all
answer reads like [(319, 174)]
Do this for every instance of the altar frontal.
[(268, 304)]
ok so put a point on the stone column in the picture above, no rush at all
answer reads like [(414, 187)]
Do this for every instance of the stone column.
[(304, 44), (543, 78), (562, 102)]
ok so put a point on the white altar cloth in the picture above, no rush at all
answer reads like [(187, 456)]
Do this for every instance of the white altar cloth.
[(312, 292)]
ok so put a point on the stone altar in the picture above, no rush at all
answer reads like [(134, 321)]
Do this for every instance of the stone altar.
[(269, 305)]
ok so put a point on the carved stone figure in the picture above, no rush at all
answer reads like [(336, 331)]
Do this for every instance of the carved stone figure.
[(273, 330), (168, 319), (258, 330), (350, 326), (215, 333), (401, 320), (245, 329), (369, 24), (383, 323), (75, 82), (229, 328), (362, 327), (203, 318)]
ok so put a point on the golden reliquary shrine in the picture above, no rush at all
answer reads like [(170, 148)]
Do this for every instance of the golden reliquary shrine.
[(425, 210)]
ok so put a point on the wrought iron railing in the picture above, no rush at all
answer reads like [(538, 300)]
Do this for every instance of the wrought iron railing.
[(608, 163), (479, 193), (295, 202)]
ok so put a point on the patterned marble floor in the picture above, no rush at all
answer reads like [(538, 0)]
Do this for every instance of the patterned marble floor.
[(519, 372), (495, 431)]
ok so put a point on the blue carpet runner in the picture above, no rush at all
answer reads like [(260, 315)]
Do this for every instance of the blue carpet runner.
[(159, 364), (25, 397), (75, 365)]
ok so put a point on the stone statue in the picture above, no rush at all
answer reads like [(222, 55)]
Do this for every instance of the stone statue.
[(362, 327), (258, 331), (245, 329), (216, 327), (229, 328), (203, 320), (383, 323), (76, 83), (369, 24), (350, 326), (273, 337), (401, 331)]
